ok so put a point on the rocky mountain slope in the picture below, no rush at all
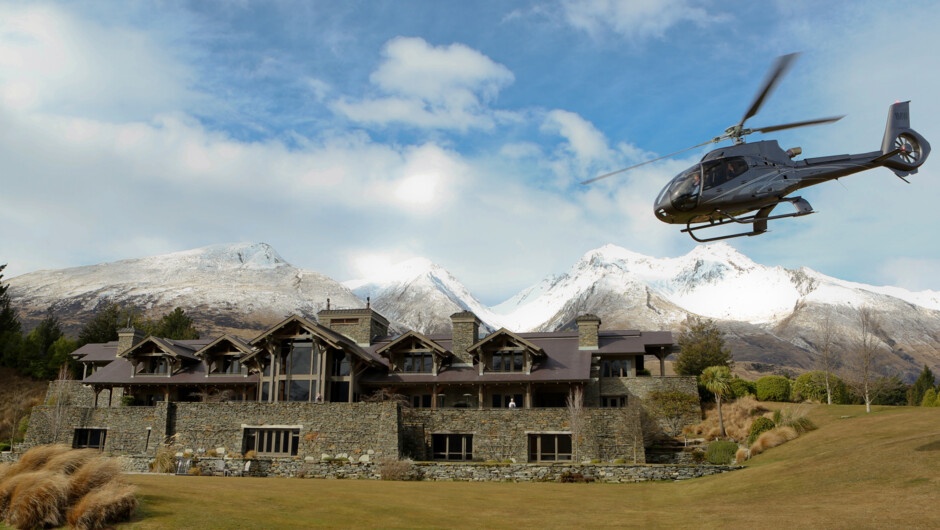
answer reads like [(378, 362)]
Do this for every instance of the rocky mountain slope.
[(244, 286), (773, 317)]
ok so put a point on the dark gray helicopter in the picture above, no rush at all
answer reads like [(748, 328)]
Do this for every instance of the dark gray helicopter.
[(743, 183)]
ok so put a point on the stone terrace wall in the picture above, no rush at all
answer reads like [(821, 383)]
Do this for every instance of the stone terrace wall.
[(641, 387), (358, 430), (131, 430), (502, 434)]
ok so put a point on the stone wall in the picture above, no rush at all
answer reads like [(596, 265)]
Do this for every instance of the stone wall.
[(502, 434), (639, 389), (78, 395), (358, 430), (130, 430)]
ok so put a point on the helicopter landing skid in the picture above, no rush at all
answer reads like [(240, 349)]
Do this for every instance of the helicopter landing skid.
[(758, 221)]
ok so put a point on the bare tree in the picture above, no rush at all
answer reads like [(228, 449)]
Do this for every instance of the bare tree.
[(59, 401), (575, 404), (865, 357), (827, 359)]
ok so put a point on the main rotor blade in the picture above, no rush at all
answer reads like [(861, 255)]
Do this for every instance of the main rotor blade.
[(612, 173), (820, 121), (780, 68)]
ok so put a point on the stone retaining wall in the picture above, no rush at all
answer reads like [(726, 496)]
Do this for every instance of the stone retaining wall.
[(357, 430), (502, 434), (450, 472), (130, 430)]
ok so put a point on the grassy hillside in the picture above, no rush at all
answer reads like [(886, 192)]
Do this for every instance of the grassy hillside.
[(856, 470), (17, 393)]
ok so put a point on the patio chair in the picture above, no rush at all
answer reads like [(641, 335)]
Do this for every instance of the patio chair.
[(246, 472), (220, 469)]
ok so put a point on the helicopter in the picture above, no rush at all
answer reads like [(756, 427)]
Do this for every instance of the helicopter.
[(744, 182)]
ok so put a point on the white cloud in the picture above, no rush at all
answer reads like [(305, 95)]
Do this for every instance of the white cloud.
[(634, 19), (444, 87), (52, 60)]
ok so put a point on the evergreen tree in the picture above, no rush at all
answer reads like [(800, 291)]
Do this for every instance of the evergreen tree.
[(924, 382), (104, 326), (889, 391), (35, 354), (10, 336), (176, 325), (930, 398), (701, 345)]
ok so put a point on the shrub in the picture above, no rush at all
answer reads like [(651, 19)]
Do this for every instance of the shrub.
[(930, 398), (128, 401), (619, 461), (742, 387), (111, 504), (569, 477), (811, 386), (794, 418), (759, 426), (164, 461), (4, 446), (738, 416), (394, 469), (251, 455), (720, 452), (773, 388), (698, 456), (772, 438)]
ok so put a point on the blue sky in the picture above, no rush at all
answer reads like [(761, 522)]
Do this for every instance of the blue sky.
[(349, 135)]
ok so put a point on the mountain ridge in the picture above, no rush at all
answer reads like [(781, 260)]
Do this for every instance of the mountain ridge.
[(769, 314)]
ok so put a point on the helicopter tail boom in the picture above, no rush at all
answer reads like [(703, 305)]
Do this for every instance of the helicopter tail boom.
[(910, 148)]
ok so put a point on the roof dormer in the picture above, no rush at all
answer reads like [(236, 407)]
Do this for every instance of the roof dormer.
[(506, 352), (415, 353)]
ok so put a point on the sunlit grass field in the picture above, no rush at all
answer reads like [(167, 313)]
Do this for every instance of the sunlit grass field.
[(856, 471)]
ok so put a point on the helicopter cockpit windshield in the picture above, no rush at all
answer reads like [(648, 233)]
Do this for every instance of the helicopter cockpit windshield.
[(685, 189)]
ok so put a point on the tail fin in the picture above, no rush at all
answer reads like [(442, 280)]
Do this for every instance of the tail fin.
[(899, 135)]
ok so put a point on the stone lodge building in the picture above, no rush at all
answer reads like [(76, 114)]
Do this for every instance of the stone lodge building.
[(342, 388)]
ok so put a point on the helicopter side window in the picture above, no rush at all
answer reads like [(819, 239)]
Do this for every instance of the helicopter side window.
[(717, 172), (685, 189)]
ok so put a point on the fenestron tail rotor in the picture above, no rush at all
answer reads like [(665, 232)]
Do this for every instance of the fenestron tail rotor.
[(737, 132)]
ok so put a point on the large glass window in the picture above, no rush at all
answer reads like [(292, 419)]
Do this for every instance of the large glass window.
[(615, 368), (421, 401), (154, 366), (340, 365), (508, 361), (339, 391), (300, 390), (502, 401), (229, 364), (271, 442), (89, 438), (549, 447), (452, 446), (418, 362)]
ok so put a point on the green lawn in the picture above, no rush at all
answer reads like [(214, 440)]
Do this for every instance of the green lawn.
[(868, 470)]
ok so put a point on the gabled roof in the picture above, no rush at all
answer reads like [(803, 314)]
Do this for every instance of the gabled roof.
[(173, 348), (239, 344), (503, 332), (327, 335), (383, 351)]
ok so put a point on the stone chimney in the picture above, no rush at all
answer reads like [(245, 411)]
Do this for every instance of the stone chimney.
[(466, 333), (128, 338), (587, 331), (361, 325)]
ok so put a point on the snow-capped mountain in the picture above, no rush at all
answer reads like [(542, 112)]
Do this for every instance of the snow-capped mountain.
[(223, 287), (421, 295), (770, 315)]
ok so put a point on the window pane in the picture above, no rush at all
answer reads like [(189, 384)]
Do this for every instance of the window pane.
[(517, 362), (409, 364), (300, 358), (497, 362), (497, 401), (300, 390), (265, 391), (564, 443)]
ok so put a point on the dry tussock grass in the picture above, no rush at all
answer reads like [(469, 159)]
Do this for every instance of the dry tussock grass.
[(70, 461), (741, 455), (738, 416), (36, 458), (38, 500), (50, 482), (773, 438), (114, 502), (94, 474)]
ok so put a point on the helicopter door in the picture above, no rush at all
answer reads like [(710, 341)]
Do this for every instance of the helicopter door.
[(685, 189), (717, 172)]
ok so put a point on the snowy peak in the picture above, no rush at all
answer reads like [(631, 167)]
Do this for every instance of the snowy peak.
[(251, 256)]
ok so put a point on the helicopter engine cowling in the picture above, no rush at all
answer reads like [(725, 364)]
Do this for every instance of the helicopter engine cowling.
[(899, 135)]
